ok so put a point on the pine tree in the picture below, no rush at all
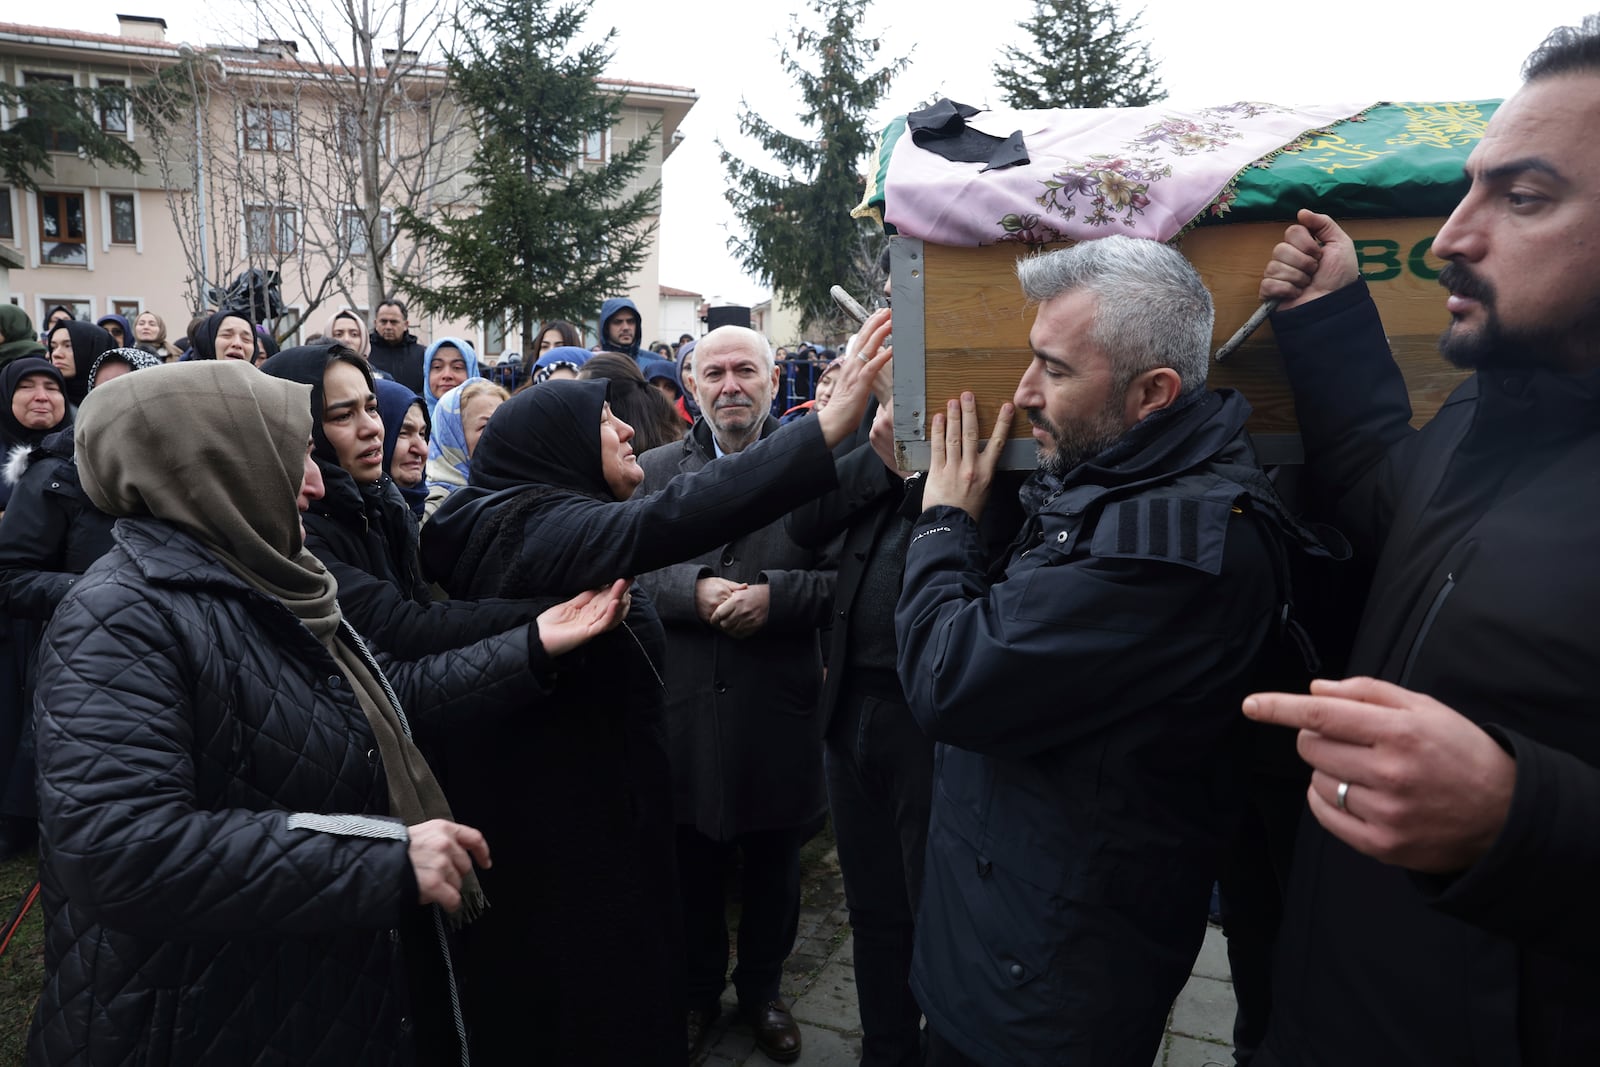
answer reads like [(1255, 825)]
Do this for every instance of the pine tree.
[(1082, 55), (551, 237), (799, 236), (55, 117)]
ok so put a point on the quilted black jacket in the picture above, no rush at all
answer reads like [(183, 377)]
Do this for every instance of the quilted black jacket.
[(367, 538), (52, 531), (200, 905)]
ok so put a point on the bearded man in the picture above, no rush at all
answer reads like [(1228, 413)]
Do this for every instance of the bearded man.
[(1082, 694)]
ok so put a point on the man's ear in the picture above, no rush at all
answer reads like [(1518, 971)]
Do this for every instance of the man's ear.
[(777, 374), (1150, 392)]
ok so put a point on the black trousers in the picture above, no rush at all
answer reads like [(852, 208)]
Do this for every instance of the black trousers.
[(769, 916), (880, 787)]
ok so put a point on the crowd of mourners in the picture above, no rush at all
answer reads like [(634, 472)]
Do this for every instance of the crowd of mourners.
[(367, 704)]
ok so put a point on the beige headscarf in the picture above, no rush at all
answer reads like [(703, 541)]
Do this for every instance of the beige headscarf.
[(366, 340), (218, 449)]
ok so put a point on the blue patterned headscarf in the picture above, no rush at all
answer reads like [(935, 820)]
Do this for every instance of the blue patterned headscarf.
[(447, 448), (468, 354)]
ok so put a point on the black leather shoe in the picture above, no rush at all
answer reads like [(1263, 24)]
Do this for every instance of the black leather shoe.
[(700, 1020), (776, 1032)]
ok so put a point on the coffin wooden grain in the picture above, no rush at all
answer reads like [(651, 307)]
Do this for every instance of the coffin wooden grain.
[(960, 322)]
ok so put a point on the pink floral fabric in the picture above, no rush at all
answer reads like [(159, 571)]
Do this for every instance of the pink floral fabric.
[(1144, 172)]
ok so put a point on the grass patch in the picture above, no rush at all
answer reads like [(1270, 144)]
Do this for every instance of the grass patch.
[(22, 966)]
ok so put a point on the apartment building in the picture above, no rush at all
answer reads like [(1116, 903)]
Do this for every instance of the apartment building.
[(284, 169)]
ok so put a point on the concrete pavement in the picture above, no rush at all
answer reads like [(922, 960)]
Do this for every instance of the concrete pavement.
[(820, 985)]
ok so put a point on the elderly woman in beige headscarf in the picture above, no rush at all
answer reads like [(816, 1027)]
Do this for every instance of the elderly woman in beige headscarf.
[(244, 854)]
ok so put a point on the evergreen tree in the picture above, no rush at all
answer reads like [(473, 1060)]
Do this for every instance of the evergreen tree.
[(799, 236), (1082, 55), (56, 117), (552, 236)]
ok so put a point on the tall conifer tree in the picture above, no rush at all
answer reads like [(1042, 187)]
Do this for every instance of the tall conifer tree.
[(798, 233), (1083, 54), (557, 228)]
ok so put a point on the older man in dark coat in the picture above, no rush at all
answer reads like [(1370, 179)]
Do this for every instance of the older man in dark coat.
[(743, 675)]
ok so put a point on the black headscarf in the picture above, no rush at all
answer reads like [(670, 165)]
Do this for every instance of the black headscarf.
[(545, 436), (205, 338), (394, 401), (307, 364), (12, 432), (89, 343)]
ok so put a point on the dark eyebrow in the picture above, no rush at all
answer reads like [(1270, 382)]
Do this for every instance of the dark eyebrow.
[(1521, 166), (1058, 364), (330, 409)]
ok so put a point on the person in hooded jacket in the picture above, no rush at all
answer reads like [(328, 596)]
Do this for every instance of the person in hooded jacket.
[(34, 407), (74, 346), (50, 536), (118, 326), (17, 338), (394, 349), (53, 533), (237, 830), (363, 530), (551, 507), (620, 326), (406, 433)]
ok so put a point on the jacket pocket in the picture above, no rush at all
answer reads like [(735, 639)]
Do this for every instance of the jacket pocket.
[(1453, 567)]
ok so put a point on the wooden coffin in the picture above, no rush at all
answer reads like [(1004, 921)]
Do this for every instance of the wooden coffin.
[(960, 322)]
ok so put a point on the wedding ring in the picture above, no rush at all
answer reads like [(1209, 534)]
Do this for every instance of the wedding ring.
[(1339, 798)]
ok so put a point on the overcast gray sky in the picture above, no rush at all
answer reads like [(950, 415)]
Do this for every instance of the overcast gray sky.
[(1208, 54)]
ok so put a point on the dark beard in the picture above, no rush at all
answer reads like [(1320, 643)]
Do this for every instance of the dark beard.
[(1074, 444), (1494, 345)]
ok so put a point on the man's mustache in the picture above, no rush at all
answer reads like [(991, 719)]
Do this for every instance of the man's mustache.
[(1462, 282)]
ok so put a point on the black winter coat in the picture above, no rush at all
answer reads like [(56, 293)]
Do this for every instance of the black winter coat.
[(1084, 702), (744, 733), (402, 362), (51, 533), (1484, 530), (585, 923), (367, 538), (199, 907)]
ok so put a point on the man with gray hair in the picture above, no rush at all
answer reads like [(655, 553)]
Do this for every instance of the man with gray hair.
[(743, 674), (1083, 699)]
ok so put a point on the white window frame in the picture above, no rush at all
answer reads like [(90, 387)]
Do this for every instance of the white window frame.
[(106, 243), (10, 194), (44, 303), (272, 252), (270, 106), (127, 111), (350, 214), (69, 75), (36, 239)]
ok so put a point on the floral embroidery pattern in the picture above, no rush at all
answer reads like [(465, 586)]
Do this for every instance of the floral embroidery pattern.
[(1112, 188)]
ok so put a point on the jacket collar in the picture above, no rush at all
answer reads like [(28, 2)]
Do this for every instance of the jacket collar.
[(701, 438)]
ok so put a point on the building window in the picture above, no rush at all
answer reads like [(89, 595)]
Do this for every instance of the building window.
[(59, 140), (594, 146), (124, 230), (353, 234), (494, 336), (128, 309), (271, 230), (113, 107), (62, 232), (79, 308), (8, 226), (268, 128)]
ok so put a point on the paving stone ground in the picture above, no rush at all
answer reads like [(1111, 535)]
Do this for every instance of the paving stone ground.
[(820, 985)]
